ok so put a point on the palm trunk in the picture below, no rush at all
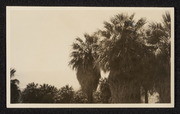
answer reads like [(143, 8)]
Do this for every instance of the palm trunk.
[(164, 92), (88, 81), (124, 90), (164, 86), (146, 95)]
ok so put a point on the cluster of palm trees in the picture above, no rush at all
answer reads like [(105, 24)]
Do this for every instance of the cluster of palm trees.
[(136, 54)]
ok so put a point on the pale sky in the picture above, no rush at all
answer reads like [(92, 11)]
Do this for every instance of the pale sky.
[(41, 38)]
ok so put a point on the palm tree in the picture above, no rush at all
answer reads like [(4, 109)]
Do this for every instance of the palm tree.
[(122, 52), (47, 93), (65, 94), (31, 94), (83, 61), (15, 91), (159, 35)]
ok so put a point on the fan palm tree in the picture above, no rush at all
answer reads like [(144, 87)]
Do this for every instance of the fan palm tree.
[(159, 35), (47, 93), (65, 94), (15, 91), (31, 94), (83, 61), (122, 52), (35, 93)]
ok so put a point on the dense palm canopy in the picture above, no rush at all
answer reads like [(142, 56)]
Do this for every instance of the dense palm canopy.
[(123, 45), (65, 94), (35, 93), (80, 97), (83, 61), (31, 93), (84, 52)]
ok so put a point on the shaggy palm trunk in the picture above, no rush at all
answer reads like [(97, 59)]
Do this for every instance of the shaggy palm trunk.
[(88, 79), (146, 95), (164, 88), (164, 91), (124, 90)]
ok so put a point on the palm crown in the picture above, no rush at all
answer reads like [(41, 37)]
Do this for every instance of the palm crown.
[(83, 54), (123, 44)]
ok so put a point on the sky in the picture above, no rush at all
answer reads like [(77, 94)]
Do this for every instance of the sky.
[(40, 39)]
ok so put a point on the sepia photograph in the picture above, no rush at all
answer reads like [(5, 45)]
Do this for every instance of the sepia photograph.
[(89, 57)]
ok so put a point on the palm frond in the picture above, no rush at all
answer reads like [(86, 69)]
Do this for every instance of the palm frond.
[(108, 26), (131, 17), (12, 72), (15, 81), (167, 20), (140, 23)]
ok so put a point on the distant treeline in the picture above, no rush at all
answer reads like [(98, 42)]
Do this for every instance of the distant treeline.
[(45, 93)]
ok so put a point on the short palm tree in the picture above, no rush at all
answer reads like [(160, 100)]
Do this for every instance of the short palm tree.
[(47, 93), (83, 61)]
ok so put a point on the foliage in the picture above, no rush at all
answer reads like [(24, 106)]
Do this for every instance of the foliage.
[(97, 97), (47, 93), (83, 52), (80, 97), (65, 95), (122, 46), (104, 89), (103, 94), (34, 93), (15, 91), (30, 94)]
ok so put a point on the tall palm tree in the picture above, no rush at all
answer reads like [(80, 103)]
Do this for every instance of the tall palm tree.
[(15, 91), (121, 52), (83, 61), (159, 35)]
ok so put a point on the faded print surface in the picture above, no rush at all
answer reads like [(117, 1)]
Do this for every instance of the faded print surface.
[(41, 41)]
